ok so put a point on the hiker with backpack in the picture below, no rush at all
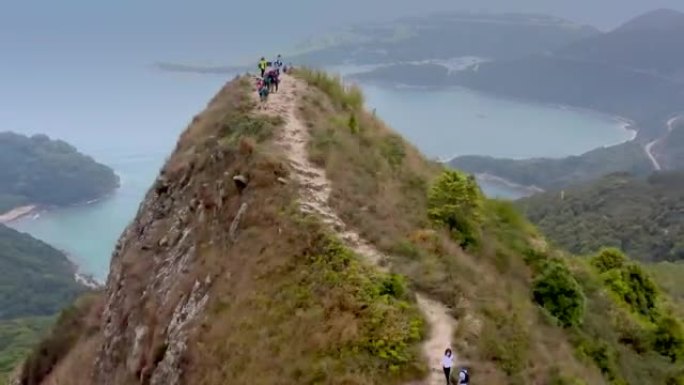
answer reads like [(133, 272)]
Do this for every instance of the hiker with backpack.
[(278, 62), (463, 377)]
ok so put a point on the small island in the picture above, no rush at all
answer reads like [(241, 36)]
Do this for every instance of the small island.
[(38, 171)]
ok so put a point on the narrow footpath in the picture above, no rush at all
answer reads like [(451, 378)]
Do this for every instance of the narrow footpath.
[(315, 190)]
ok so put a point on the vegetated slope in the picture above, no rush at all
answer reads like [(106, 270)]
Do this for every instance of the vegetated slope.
[(17, 339), (559, 173), (642, 216), (200, 293), (38, 170), (36, 281), (378, 186), (423, 38)]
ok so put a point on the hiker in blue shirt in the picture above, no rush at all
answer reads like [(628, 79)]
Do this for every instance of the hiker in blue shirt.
[(278, 63)]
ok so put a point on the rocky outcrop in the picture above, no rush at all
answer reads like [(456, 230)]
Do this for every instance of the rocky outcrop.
[(157, 291)]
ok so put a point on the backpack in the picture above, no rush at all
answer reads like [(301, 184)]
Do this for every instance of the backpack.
[(465, 381)]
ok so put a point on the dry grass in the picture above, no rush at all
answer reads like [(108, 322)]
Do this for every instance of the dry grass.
[(380, 185)]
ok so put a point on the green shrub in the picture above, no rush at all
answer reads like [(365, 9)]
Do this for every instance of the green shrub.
[(455, 201), (668, 338), (557, 291), (634, 287), (628, 281), (608, 259), (392, 149)]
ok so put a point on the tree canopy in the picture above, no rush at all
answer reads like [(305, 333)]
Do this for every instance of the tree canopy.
[(641, 216), (39, 170)]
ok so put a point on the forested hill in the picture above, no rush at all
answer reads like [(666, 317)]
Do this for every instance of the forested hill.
[(38, 170), (36, 281), (553, 173), (642, 216), (35, 278)]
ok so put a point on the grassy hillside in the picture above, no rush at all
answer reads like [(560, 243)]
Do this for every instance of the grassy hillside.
[(488, 270), (286, 289), (38, 170), (639, 215)]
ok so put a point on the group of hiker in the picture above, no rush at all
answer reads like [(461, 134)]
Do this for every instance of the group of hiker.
[(269, 80)]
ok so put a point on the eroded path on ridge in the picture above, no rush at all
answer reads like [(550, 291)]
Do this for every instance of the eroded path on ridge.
[(315, 191)]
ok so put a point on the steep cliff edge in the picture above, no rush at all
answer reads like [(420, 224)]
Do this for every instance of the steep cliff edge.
[(303, 242)]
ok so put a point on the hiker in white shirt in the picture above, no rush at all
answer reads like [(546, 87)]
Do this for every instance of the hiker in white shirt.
[(447, 363)]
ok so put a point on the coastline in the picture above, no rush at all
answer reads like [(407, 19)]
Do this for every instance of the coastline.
[(86, 280), (625, 124), (17, 213)]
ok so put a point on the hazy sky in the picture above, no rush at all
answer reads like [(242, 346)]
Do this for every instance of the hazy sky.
[(216, 30), (86, 65)]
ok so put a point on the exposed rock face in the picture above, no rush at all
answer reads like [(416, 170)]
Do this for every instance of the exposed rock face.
[(156, 292), (152, 293)]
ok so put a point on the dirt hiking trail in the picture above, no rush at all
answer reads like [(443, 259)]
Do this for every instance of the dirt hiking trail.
[(315, 191)]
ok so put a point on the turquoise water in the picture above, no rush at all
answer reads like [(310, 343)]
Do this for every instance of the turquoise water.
[(135, 132), (448, 123)]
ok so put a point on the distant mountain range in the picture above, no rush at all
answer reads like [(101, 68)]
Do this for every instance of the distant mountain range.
[(635, 71), (443, 36)]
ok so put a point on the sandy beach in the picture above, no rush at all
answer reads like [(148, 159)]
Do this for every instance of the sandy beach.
[(17, 213)]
